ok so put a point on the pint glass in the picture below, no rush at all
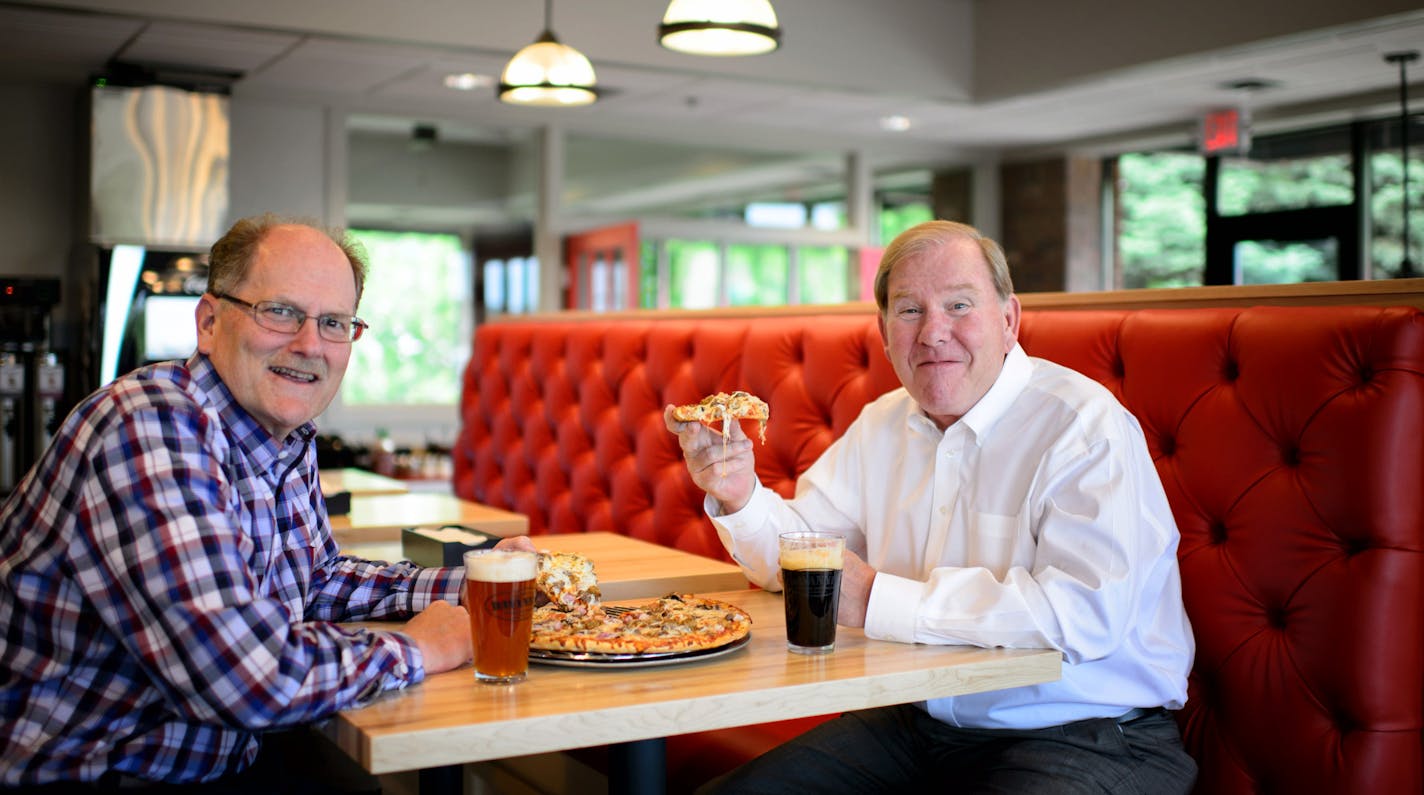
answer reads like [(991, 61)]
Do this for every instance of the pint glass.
[(811, 579), (499, 595)]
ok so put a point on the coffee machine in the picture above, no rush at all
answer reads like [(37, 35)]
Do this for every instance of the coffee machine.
[(31, 375)]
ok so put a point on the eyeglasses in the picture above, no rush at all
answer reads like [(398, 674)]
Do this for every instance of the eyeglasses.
[(287, 319)]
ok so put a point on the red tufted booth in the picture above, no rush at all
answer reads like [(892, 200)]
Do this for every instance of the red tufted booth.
[(1288, 438)]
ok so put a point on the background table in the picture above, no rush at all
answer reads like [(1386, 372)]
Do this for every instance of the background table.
[(359, 482), (378, 518), (450, 719)]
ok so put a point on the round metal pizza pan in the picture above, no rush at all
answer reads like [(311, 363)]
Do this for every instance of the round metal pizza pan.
[(589, 659)]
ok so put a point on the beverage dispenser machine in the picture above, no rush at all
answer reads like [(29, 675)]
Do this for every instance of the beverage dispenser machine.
[(31, 375)]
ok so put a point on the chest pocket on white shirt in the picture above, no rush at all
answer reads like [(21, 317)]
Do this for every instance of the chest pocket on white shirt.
[(992, 541)]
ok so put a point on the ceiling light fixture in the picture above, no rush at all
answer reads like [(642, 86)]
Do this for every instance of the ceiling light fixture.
[(1404, 58), (548, 73), (468, 81), (720, 27), (895, 123)]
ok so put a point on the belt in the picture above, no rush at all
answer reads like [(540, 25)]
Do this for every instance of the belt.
[(1136, 713)]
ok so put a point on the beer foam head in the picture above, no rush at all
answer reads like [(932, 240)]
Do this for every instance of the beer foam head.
[(501, 566), (803, 551)]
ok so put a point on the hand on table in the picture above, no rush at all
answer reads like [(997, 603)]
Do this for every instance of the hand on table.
[(724, 468), (442, 633), (856, 578), (516, 543)]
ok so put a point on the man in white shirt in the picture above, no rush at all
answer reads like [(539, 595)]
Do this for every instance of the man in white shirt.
[(995, 500)]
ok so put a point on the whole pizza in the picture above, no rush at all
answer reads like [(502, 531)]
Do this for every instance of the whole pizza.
[(574, 620), (674, 623)]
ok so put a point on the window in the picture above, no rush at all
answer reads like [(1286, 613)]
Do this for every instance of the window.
[(1288, 172), (757, 275), (418, 302), (1311, 205), (824, 274), (511, 286), (1386, 186), (694, 274), (1161, 219), (898, 218)]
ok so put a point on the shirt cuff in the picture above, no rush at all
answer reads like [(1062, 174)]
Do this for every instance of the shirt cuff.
[(752, 515), (431, 584), (894, 608), (408, 668)]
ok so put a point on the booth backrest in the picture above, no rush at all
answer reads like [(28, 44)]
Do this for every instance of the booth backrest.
[(1290, 441)]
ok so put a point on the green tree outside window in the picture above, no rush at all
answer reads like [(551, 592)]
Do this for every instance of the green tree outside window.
[(417, 300)]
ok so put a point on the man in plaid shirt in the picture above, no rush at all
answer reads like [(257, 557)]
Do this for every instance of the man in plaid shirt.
[(168, 580)]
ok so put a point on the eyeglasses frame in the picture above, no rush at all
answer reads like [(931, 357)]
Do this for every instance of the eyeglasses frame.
[(358, 325)]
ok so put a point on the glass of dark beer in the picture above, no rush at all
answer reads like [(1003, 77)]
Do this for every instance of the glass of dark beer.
[(499, 595), (811, 581)]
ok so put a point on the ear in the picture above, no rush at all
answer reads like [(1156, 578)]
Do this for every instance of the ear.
[(206, 317), (1013, 313)]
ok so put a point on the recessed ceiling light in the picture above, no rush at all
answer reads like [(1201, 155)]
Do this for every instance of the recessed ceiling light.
[(468, 81), (1248, 84), (895, 123)]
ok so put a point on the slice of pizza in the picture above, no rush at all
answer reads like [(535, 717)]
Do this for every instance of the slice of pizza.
[(722, 409), (568, 580)]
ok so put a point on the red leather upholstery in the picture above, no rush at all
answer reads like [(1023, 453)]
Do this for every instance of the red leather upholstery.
[(1288, 439)]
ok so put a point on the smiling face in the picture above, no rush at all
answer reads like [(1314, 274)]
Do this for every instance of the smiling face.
[(945, 328), (282, 380)]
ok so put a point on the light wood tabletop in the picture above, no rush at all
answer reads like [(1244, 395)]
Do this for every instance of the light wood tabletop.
[(378, 518), (449, 719), (628, 568), (359, 482)]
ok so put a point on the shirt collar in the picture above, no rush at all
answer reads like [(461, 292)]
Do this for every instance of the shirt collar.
[(245, 432), (1013, 378)]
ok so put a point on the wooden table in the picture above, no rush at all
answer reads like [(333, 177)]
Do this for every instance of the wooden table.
[(450, 719), (629, 568), (359, 482), (378, 518)]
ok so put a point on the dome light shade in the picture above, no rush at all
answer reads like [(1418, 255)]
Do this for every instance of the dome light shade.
[(548, 73), (720, 27)]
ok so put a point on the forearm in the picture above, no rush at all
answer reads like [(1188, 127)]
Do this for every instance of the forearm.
[(352, 589)]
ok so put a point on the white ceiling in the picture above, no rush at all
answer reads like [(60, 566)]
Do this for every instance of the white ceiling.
[(977, 78)]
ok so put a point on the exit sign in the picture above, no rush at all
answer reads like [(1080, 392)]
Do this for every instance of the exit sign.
[(1225, 132)]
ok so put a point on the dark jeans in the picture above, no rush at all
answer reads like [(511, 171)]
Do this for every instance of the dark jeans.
[(903, 749), (295, 762)]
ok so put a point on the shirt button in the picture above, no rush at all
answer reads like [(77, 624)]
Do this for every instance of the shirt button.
[(943, 510)]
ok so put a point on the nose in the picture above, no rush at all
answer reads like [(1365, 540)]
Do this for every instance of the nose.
[(934, 327), (307, 339)]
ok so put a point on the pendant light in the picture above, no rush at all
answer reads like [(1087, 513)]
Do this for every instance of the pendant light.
[(720, 27), (548, 73)]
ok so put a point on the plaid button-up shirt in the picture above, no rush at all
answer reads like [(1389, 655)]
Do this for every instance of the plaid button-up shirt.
[(168, 583)]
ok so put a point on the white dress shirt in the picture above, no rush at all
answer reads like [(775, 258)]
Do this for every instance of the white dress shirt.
[(1036, 520)]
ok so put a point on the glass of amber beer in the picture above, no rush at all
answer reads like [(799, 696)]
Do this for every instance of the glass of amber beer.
[(811, 579), (499, 595)]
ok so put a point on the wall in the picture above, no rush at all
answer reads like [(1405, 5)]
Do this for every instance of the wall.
[(281, 162), (42, 160)]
